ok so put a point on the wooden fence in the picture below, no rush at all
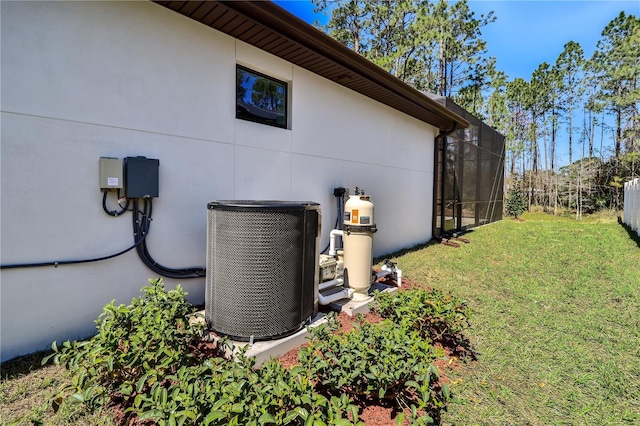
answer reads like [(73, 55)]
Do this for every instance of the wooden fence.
[(631, 215)]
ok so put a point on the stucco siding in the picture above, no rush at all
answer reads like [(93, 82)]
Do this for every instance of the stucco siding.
[(82, 80), (133, 65)]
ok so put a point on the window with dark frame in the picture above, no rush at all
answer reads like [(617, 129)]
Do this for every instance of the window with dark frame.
[(260, 98)]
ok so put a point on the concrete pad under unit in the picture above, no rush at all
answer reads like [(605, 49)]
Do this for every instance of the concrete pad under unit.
[(355, 307), (265, 349)]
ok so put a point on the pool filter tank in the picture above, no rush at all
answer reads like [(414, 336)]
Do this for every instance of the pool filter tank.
[(357, 240)]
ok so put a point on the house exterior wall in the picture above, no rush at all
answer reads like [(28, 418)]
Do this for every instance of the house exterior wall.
[(81, 80)]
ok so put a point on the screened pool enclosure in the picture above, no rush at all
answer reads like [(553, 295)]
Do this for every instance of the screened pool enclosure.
[(469, 175)]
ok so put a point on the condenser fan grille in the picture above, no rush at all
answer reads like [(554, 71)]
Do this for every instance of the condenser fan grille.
[(261, 267)]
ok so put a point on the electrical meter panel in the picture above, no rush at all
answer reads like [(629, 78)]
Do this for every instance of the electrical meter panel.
[(110, 173), (141, 177)]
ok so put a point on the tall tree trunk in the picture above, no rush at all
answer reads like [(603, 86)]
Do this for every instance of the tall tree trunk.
[(590, 131), (443, 67), (601, 136), (555, 197), (553, 176), (547, 185), (530, 190), (618, 132), (570, 136), (592, 124), (570, 148), (553, 142)]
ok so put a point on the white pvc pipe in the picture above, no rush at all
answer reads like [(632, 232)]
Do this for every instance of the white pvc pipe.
[(332, 283), (344, 294), (393, 270), (332, 240)]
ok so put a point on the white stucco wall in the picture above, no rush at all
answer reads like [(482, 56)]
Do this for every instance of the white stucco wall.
[(84, 80)]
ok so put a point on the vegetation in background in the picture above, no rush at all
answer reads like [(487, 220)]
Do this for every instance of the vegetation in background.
[(438, 47), (434, 46), (514, 204)]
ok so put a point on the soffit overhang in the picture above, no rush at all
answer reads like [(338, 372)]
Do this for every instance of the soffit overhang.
[(269, 27)]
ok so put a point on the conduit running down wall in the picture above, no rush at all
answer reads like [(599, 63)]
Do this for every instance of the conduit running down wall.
[(631, 213)]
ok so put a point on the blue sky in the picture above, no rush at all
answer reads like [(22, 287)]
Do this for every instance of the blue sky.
[(528, 33)]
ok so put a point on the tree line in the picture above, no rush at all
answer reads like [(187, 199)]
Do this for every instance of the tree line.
[(437, 47)]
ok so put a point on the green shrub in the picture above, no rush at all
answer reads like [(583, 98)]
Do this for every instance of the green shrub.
[(433, 314), (377, 361), (222, 392), (143, 358), (136, 346), (515, 203)]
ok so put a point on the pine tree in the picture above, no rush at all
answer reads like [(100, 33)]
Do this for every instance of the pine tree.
[(435, 46), (514, 203)]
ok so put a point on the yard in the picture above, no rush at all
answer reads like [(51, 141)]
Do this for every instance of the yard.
[(555, 326)]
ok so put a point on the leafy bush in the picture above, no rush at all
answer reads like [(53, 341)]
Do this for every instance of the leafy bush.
[(143, 360), (222, 392), (136, 346), (515, 203), (378, 361), (433, 314)]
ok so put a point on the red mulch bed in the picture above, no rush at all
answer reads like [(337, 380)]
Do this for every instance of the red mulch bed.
[(372, 411), (382, 412)]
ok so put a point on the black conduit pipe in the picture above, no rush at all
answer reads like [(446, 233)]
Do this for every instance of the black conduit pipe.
[(141, 225), (57, 263)]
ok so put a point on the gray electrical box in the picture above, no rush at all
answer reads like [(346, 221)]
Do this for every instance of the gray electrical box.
[(141, 177), (110, 173)]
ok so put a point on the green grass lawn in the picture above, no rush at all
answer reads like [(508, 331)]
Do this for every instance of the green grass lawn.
[(26, 391), (556, 320), (556, 327)]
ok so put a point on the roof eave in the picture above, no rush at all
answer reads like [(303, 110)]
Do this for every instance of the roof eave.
[(389, 89)]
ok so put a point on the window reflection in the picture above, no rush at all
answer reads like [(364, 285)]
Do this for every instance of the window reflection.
[(260, 98)]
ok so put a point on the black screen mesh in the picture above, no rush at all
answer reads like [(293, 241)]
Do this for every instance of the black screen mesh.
[(469, 176)]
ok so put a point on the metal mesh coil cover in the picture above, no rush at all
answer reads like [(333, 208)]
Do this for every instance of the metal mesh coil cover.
[(261, 267)]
